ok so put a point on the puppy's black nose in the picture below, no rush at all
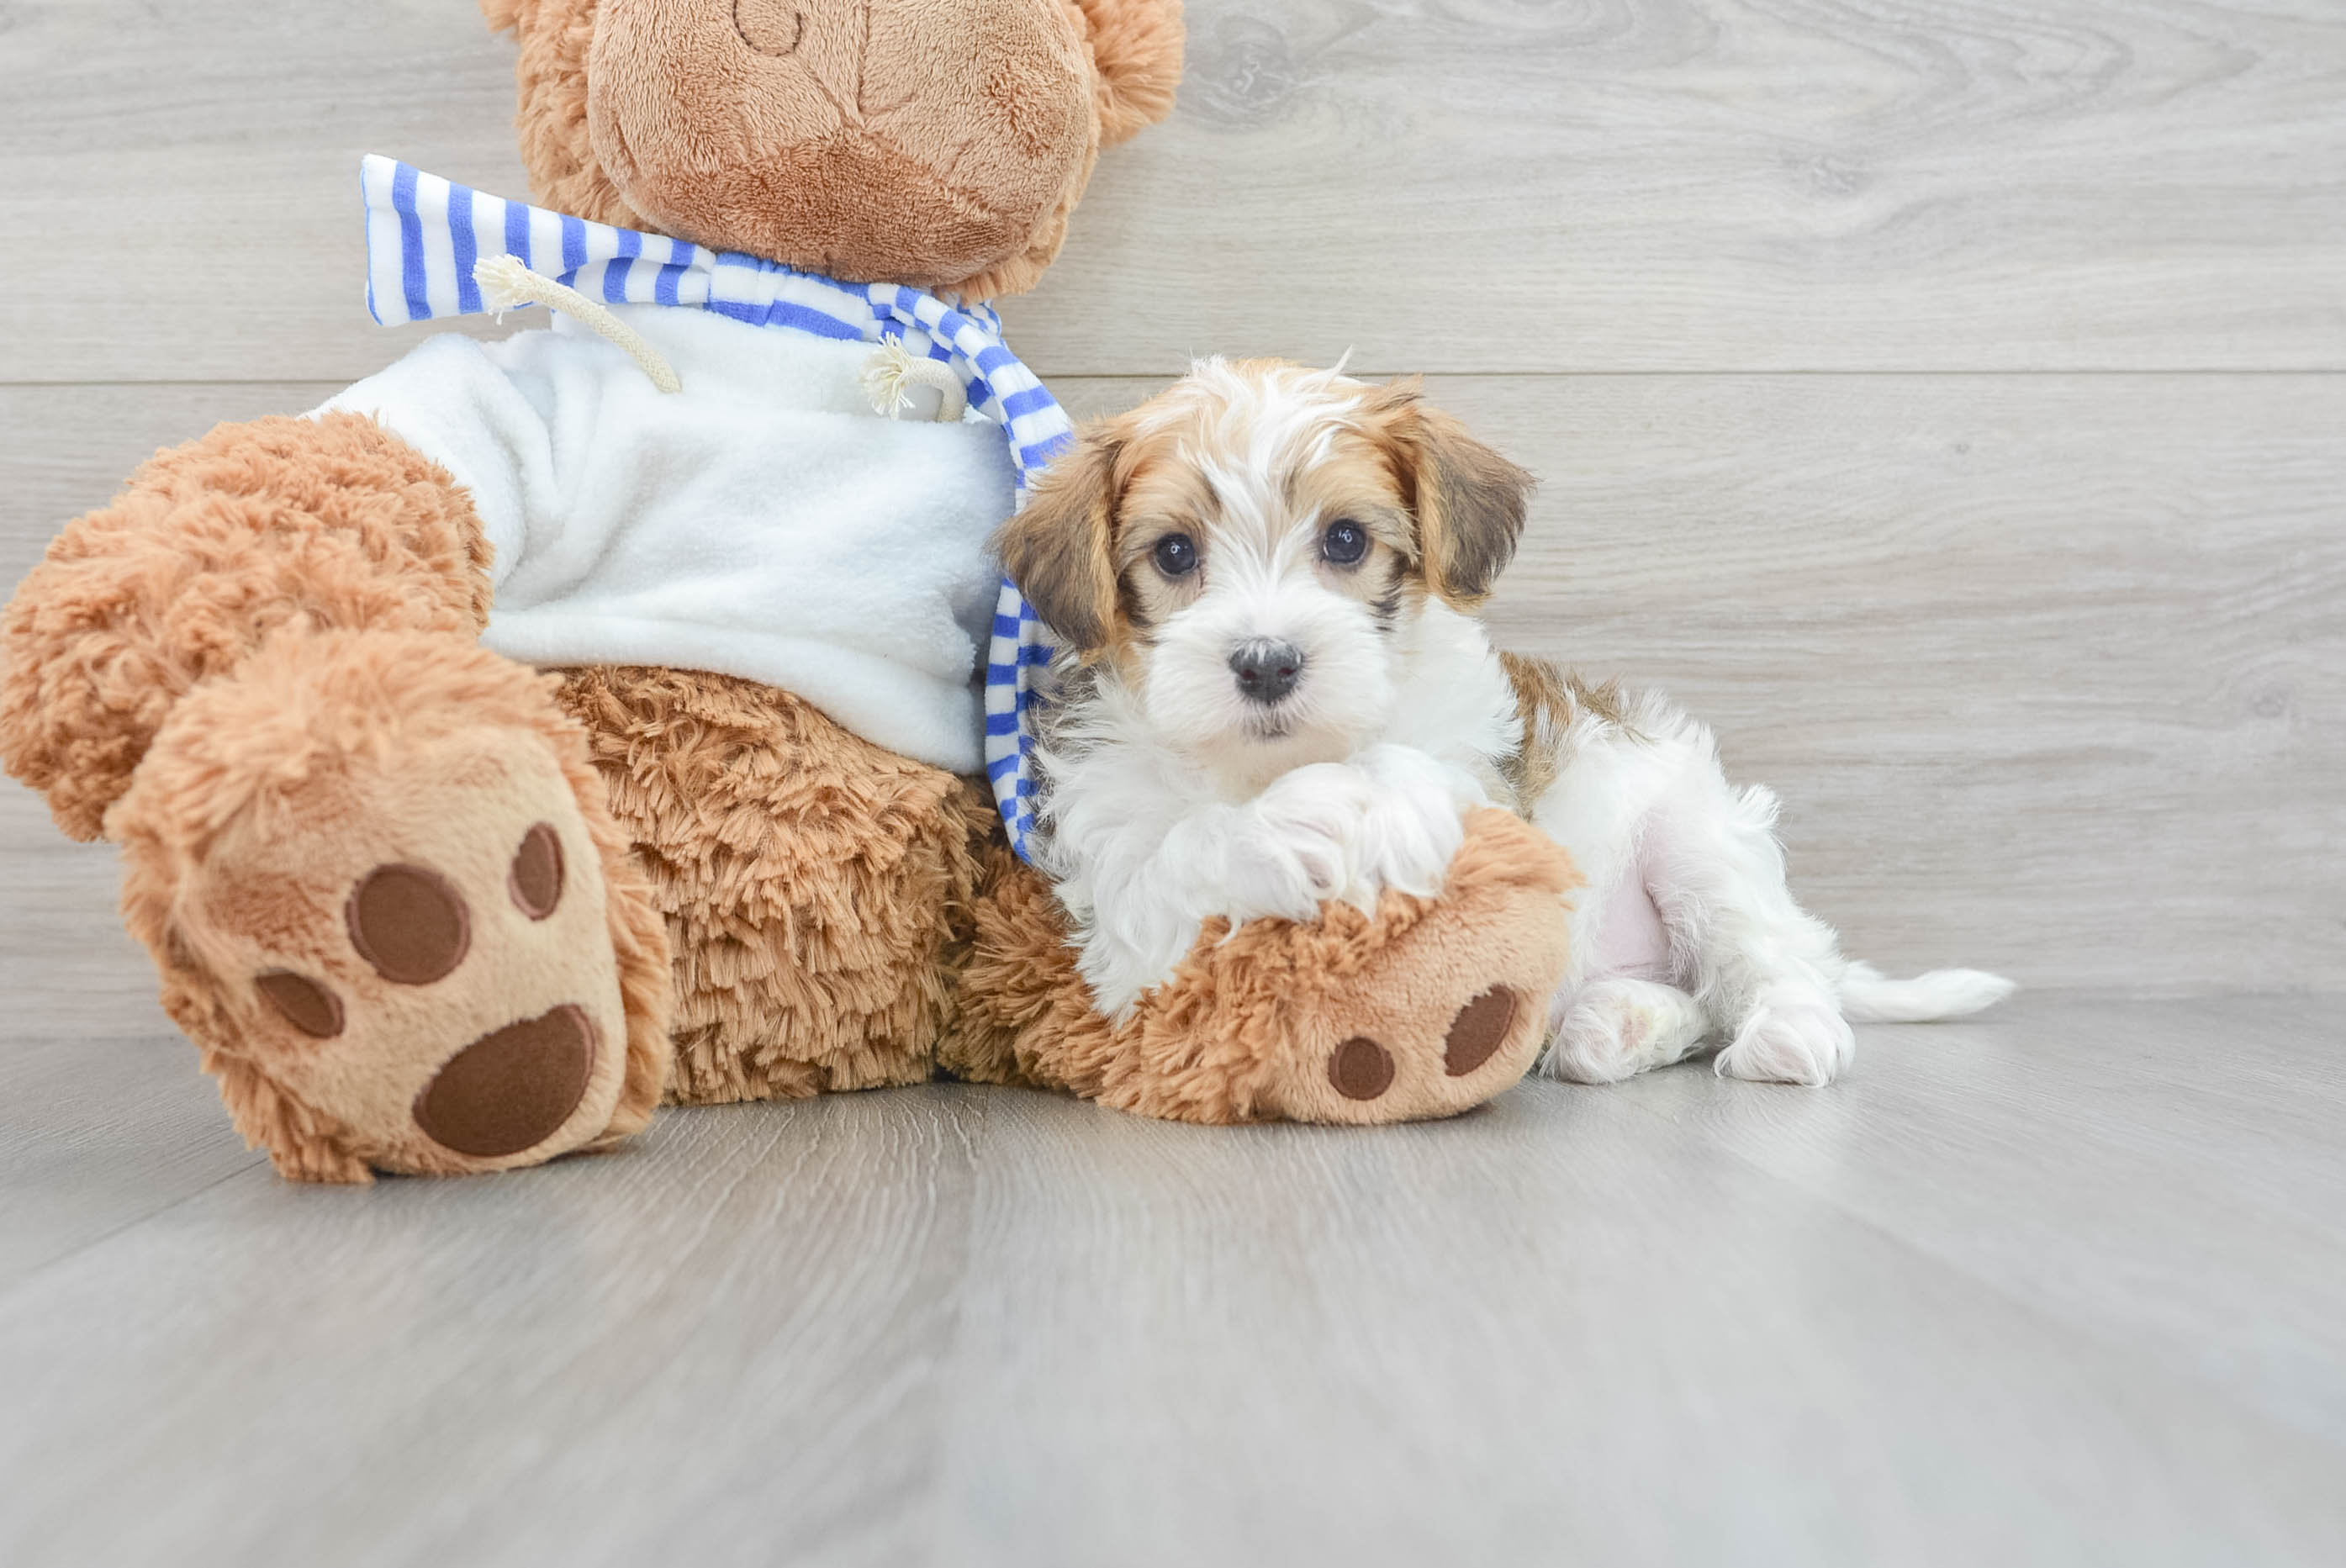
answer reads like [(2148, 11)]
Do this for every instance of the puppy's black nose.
[(1266, 670)]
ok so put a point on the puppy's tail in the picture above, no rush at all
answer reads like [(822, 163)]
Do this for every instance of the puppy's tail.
[(1870, 996)]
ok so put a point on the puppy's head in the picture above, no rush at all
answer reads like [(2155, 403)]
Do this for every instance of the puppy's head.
[(1249, 553)]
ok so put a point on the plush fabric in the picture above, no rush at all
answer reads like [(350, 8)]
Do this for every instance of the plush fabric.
[(423, 909), (426, 238), (815, 884), (763, 523), (211, 548), (269, 796), (941, 143)]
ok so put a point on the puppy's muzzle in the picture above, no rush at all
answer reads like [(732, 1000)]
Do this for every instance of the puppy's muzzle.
[(1267, 671)]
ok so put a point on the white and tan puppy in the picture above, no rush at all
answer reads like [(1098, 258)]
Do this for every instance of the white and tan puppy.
[(1273, 690)]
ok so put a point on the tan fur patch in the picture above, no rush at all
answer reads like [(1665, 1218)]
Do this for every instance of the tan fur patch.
[(816, 886), (1468, 502), (1062, 547), (253, 813), (1548, 698)]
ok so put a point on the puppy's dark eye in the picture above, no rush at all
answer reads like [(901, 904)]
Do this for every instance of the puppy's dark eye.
[(1177, 554), (1344, 543)]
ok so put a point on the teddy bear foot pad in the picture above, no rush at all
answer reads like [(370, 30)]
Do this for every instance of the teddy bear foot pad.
[(400, 920), (1361, 1069)]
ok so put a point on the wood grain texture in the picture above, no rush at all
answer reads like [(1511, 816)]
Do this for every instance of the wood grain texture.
[(1455, 185), (2038, 1288), (303, 1375)]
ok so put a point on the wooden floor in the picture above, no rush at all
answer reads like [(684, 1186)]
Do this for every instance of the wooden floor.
[(2060, 1287), (1947, 401)]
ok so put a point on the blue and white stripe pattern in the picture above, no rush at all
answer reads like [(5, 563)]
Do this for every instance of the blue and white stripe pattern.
[(1022, 650), (424, 234)]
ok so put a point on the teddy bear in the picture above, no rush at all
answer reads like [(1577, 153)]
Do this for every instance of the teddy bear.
[(549, 727)]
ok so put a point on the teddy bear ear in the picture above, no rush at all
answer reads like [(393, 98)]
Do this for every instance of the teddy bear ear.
[(1137, 48)]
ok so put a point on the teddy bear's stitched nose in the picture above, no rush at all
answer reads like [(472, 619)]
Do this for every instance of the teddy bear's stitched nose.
[(770, 27)]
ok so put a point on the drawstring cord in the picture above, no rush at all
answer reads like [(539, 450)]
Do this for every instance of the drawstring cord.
[(888, 379), (505, 282)]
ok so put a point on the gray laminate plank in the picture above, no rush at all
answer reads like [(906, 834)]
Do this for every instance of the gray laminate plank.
[(2170, 1176), (1692, 1320), (1563, 1329), (67, 968), (96, 1135), (714, 1347), (1466, 185)]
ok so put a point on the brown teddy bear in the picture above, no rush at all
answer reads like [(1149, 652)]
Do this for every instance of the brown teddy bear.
[(424, 909)]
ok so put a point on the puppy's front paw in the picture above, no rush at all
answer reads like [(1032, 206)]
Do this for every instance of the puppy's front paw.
[(1795, 1035), (1412, 822), (1304, 852), (1408, 770)]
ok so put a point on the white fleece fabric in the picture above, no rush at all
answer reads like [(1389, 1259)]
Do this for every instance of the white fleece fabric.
[(762, 523)]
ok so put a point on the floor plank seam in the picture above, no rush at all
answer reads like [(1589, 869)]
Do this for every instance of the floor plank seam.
[(91, 1244), (2060, 1326)]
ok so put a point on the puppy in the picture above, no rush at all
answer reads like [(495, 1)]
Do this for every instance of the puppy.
[(1271, 690)]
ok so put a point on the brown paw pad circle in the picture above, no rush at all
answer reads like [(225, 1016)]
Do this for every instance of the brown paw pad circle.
[(536, 879), (1360, 1068), (410, 924), (510, 1090), (302, 1002), (1480, 1029)]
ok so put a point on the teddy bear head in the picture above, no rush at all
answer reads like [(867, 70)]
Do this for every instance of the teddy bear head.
[(939, 143)]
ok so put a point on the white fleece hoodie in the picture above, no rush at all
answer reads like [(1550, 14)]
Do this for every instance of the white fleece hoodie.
[(761, 523)]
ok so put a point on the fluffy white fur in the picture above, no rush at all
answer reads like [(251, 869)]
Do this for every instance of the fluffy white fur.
[(1170, 797)]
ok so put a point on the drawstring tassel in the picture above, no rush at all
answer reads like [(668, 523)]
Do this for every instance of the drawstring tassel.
[(892, 373)]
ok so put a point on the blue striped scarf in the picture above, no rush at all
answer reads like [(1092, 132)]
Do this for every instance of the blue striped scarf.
[(424, 234)]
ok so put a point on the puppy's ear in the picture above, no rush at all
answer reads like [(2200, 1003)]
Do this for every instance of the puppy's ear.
[(1060, 549), (1468, 502)]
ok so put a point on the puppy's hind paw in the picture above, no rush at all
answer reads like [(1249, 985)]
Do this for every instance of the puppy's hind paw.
[(1791, 1038), (1617, 1028)]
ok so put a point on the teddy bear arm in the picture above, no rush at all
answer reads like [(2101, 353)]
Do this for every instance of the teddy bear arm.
[(1426, 1009), (211, 548)]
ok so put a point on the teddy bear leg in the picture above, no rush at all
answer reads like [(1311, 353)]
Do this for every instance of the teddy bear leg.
[(372, 862), (390, 906), (1431, 1007), (815, 886)]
